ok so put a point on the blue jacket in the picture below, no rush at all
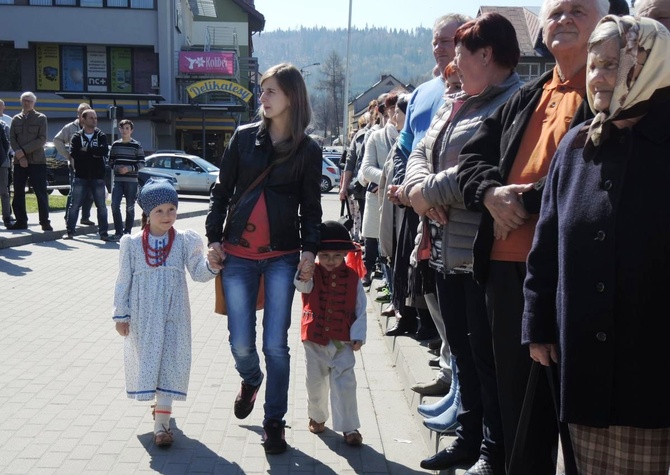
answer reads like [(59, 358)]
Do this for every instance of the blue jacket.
[(598, 276)]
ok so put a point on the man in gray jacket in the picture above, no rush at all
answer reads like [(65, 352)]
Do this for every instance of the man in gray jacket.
[(62, 144), (28, 134)]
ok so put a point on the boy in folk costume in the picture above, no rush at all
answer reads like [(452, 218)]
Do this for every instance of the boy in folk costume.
[(334, 324)]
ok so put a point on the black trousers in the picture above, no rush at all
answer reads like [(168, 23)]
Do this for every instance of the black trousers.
[(463, 306), (504, 302)]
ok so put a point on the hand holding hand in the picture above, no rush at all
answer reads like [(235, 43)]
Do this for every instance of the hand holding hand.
[(123, 328), (306, 266), (216, 256), (356, 345), (505, 205)]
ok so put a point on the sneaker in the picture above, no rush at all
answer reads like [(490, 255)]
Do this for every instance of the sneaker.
[(245, 400), (68, 236), (381, 286), (47, 227), (105, 237), (18, 225), (87, 222), (115, 237), (383, 296), (274, 441)]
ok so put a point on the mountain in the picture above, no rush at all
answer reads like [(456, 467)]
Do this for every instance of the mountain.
[(406, 54)]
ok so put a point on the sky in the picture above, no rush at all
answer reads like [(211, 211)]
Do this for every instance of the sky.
[(401, 14)]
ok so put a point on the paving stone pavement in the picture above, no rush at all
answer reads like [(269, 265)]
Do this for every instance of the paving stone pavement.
[(63, 408)]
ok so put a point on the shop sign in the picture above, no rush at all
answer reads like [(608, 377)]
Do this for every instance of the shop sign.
[(218, 85), (198, 62)]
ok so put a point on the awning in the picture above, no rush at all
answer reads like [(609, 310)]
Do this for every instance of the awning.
[(113, 96)]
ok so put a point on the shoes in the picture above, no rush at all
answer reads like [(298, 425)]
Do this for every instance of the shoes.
[(164, 437), (105, 237), (87, 222), (384, 296), (441, 406), (434, 362), (383, 285), (68, 236), (366, 281), (316, 427), (397, 330), (245, 400), (434, 352), (435, 344), (115, 237), (436, 387), (18, 225), (8, 222), (447, 422), (274, 441), (389, 312), (447, 458), (353, 438), (47, 227), (482, 467)]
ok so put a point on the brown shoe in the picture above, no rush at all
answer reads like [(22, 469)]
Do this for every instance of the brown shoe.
[(353, 438), (316, 427), (436, 387), (389, 312), (164, 437)]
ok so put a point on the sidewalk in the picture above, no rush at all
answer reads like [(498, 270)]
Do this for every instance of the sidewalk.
[(189, 206), (62, 402)]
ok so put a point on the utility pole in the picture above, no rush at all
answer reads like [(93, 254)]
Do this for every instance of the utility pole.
[(307, 73), (345, 119)]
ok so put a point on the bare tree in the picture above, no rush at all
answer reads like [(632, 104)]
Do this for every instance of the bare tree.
[(332, 86)]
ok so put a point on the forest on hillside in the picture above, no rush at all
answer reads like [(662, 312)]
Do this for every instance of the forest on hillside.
[(406, 54)]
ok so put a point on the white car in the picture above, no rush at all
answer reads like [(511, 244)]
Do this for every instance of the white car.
[(193, 174), (330, 175)]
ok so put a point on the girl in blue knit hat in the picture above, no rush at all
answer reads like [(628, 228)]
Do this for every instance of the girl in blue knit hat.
[(151, 304)]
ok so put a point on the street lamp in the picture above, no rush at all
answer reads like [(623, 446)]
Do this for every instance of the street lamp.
[(302, 70)]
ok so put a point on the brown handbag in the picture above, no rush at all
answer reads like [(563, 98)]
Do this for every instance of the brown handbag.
[(220, 306)]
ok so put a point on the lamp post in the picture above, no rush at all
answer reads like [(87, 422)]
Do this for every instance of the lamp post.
[(307, 73), (345, 119)]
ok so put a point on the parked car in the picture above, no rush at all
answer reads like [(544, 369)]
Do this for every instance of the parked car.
[(330, 175), (145, 173), (58, 172), (192, 173)]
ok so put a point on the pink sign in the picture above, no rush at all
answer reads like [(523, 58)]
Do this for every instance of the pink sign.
[(196, 62)]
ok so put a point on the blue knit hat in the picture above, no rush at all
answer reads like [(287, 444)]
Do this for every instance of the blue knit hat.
[(155, 192)]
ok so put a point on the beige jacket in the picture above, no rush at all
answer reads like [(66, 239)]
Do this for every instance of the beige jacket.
[(28, 132)]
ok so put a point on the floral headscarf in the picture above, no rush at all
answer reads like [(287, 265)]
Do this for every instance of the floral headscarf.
[(644, 67)]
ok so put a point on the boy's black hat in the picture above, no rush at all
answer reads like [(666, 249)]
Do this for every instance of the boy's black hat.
[(335, 237)]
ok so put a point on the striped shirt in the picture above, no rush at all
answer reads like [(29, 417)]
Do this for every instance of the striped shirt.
[(129, 154)]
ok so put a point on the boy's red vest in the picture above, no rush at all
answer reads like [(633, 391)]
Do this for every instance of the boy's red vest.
[(329, 309)]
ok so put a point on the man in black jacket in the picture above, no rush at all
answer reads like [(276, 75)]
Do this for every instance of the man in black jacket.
[(88, 149)]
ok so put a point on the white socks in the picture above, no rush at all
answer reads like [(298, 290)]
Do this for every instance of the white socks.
[(163, 411)]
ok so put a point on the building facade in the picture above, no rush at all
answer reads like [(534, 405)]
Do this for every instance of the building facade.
[(181, 70)]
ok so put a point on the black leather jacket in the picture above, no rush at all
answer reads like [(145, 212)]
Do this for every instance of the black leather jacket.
[(293, 200)]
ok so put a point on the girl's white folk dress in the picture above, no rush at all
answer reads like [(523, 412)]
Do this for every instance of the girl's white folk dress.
[(155, 301)]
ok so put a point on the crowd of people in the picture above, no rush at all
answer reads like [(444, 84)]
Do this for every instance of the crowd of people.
[(87, 151), (513, 225), (524, 220)]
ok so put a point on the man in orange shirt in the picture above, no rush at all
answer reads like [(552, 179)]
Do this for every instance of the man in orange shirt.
[(501, 174)]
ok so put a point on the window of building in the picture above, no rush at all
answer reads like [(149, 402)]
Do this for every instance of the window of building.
[(66, 3), (528, 71), (10, 80), (91, 3), (41, 2), (117, 3), (142, 4), (6, 2)]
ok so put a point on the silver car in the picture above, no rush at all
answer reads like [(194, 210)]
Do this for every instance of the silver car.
[(330, 175), (193, 174)]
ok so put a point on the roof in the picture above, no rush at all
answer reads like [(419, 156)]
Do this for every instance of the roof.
[(207, 8), (527, 25)]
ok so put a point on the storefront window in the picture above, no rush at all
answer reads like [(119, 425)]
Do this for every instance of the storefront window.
[(10, 79)]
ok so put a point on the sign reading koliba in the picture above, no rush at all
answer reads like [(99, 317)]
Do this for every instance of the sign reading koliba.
[(206, 62), (220, 85)]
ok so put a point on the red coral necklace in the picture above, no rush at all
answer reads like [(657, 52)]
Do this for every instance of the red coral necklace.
[(156, 257)]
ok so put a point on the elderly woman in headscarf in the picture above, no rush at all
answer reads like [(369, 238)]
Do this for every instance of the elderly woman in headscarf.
[(598, 276)]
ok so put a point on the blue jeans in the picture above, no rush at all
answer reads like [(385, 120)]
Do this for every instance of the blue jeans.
[(38, 182), (80, 188), (86, 204), (240, 282), (129, 190)]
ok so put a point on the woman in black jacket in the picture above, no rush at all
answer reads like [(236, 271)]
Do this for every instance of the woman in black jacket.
[(268, 230)]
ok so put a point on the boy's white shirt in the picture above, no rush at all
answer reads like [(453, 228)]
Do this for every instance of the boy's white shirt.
[(359, 328)]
